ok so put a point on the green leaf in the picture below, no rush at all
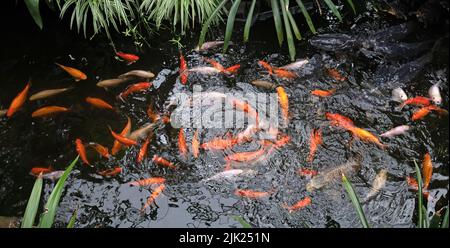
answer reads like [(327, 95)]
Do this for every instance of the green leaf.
[(208, 23), (333, 9), (48, 216), (248, 22), (351, 193), (72, 219), (277, 20), (230, 24), (350, 2), (426, 221), (419, 195), (287, 26), (33, 204), (435, 220), (293, 24), (307, 17), (241, 220), (33, 8), (445, 221)]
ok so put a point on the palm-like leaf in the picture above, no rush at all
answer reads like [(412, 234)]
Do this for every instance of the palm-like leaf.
[(33, 204)]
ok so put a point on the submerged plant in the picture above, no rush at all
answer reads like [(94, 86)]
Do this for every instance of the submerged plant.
[(47, 218), (356, 203)]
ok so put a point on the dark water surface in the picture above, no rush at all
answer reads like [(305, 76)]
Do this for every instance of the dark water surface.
[(188, 202)]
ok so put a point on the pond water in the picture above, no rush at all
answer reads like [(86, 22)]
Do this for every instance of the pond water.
[(187, 201)]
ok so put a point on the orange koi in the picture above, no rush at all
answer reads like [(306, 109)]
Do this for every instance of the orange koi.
[(148, 181), (125, 132), (123, 140), (182, 143), (130, 58), (49, 111), (215, 64), (18, 101), (81, 151), (245, 156), (183, 69), (266, 66), (251, 194), (299, 205), (111, 172), (307, 172), (427, 170), (233, 69), (151, 114), (421, 113), (315, 140), (282, 73), (99, 103), (323, 93), (195, 145), (153, 196), (284, 102), (414, 185), (282, 141), (38, 170), (143, 151), (166, 119), (135, 88), (367, 136), (339, 120), (103, 151), (416, 101), (75, 73), (219, 144), (246, 108), (336, 74), (163, 162)]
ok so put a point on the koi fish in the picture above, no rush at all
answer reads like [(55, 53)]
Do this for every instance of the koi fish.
[(246, 108), (143, 151), (421, 113), (307, 172), (182, 143), (103, 151), (335, 74), (81, 151), (129, 58), (48, 93), (315, 140), (209, 45), (284, 103), (99, 103), (195, 145), (246, 135), (142, 86), (148, 181), (245, 156), (204, 70), (281, 73), (75, 73), (111, 172), (435, 94), (233, 69), (282, 141), (142, 133), (109, 83), (264, 84), (49, 111), (35, 171), (183, 69), (219, 67), (54, 175), (125, 132), (230, 175), (417, 101), (266, 66), (163, 162), (323, 93), (339, 120), (427, 170), (378, 184), (296, 65), (151, 114), (137, 74), (367, 136), (298, 205), (414, 185), (396, 131), (251, 194), (399, 95), (123, 140), (153, 196), (219, 144), (18, 101)]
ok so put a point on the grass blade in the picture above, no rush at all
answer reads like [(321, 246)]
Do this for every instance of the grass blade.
[(419, 195), (333, 9), (33, 204), (287, 26), (277, 20), (208, 23), (230, 24), (351, 192), (248, 22), (50, 208), (445, 221), (294, 25), (350, 2), (33, 8), (307, 17), (241, 220), (73, 219)]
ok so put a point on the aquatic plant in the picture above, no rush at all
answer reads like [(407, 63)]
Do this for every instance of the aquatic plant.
[(33, 8), (47, 218), (288, 21), (356, 203)]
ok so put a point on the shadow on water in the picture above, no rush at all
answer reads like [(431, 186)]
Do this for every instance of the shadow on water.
[(187, 201)]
